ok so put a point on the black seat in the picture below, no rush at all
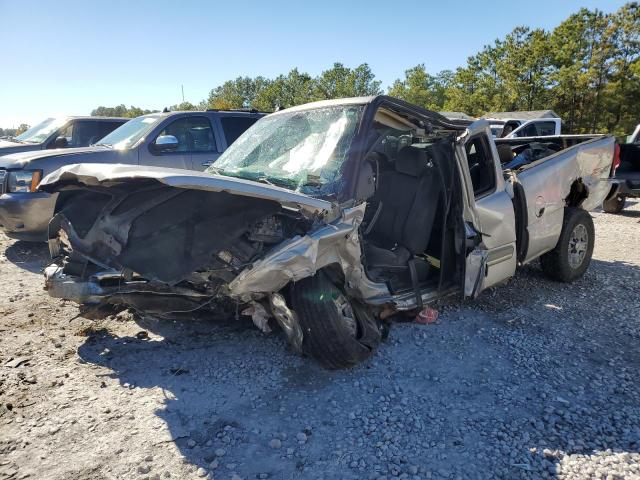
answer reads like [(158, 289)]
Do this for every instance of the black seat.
[(405, 207)]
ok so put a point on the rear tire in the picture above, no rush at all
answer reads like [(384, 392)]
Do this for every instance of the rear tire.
[(614, 205), (571, 257), (337, 332)]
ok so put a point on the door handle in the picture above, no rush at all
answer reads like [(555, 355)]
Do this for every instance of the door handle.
[(207, 164)]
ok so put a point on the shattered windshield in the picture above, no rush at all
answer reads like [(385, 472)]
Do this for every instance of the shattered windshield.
[(303, 151), (41, 131)]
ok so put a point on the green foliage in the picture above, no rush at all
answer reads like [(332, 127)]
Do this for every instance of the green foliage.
[(421, 88), (14, 132), (184, 107), (120, 111), (294, 88)]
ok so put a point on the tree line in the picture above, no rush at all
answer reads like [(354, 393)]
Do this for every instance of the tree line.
[(13, 132), (587, 70)]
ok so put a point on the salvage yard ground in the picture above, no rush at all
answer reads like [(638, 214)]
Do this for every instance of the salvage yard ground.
[(534, 380)]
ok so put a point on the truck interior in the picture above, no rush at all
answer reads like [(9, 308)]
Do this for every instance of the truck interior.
[(517, 153), (413, 219)]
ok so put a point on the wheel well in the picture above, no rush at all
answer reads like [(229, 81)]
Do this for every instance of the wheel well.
[(577, 194), (63, 198)]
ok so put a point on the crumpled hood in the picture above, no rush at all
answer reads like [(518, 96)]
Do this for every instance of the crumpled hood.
[(97, 173), (21, 160), (7, 147)]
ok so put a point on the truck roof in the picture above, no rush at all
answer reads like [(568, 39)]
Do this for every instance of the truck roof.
[(213, 110), (457, 115), (89, 117)]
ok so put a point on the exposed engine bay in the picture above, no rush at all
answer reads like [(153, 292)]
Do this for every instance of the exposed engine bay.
[(161, 245)]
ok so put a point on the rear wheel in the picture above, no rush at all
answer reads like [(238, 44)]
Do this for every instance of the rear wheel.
[(337, 331), (571, 257), (614, 205)]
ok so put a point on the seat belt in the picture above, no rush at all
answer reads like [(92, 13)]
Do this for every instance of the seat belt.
[(373, 220)]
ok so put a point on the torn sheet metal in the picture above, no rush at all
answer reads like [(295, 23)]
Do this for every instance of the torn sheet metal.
[(288, 321), (300, 257), (259, 315)]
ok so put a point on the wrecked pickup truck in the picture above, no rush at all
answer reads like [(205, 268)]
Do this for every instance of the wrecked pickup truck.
[(327, 217)]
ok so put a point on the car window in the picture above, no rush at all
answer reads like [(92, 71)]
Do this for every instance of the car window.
[(481, 166), (546, 128), (233, 127), (527, 131), (194, 134), (85, 133), (67, 133)]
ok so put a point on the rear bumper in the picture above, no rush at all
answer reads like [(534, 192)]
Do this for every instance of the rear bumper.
[(25, 216)]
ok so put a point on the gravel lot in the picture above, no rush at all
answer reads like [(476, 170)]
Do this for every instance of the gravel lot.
[(534, 380)]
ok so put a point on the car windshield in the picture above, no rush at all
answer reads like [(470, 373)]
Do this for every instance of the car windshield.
[(41, 131), (302, 150), (129, 133)]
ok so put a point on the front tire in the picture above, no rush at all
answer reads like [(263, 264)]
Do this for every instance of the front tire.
[(614, 205), (337, 332), (571, 257)]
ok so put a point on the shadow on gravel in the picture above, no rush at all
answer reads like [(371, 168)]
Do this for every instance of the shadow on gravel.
[(29, 256), (629, 213), (223, 382), (514, 385)]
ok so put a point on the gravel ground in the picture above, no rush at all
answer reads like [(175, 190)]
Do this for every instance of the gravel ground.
[(534, 380)]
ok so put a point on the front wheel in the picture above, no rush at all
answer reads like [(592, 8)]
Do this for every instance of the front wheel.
[(571, 257), (337, 331), (614, 205)]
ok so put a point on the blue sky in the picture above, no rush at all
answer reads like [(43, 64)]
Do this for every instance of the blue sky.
[(67, 57)]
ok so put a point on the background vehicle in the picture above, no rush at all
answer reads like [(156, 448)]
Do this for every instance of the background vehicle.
[(191, 140), (535, 123), (626, 183), (350, 208), (61, 132)]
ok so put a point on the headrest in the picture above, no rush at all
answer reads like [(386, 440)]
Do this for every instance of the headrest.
[(505, 153), (411, 161)]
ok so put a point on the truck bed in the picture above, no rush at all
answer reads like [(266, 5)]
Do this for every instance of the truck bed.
[(576, 173)]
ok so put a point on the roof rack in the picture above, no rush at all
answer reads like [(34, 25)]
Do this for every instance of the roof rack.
[(246, 110)]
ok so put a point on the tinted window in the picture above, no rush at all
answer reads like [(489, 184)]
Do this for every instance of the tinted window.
[(546, 128), (537, 129), (194, 134), (235, 126), (85, 133), (481, 166), (528, 131)]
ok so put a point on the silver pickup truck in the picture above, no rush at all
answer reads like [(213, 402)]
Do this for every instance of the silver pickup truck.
[(328, 217)]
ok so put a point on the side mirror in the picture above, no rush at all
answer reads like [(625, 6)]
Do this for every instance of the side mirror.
[(61, 142), (165, 143)]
